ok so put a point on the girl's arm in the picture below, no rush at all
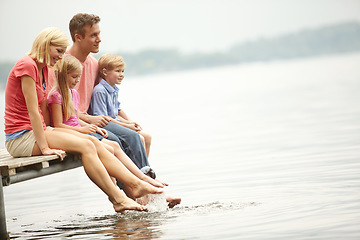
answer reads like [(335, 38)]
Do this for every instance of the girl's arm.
[(29, 90), (101, 131), (57, 117)]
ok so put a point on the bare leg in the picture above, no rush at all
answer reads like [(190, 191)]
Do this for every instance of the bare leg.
[(111, 150), (147, 140), (143, 142), (115, 168), (92, 166), (119, 153)]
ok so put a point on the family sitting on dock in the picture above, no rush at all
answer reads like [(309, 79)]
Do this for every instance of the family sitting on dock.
[(52, 107)]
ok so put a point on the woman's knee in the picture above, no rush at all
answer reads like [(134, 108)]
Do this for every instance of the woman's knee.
[(88, 146), (68, 142)]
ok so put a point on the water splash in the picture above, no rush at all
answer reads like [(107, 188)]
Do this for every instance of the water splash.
[(216, 207), (156, 202)]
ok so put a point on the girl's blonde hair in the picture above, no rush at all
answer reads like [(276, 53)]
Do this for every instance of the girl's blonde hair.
[(109, 62), (62, 68), (52, 36)]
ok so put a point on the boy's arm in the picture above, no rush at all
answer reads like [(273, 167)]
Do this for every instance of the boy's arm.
[(132, 126), (126, 121), (123, 116)]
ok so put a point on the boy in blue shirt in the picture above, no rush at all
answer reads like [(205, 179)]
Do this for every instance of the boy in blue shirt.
[(104, 101)]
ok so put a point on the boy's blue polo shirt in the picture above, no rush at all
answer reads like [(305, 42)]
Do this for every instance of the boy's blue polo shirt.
[(104, 100)]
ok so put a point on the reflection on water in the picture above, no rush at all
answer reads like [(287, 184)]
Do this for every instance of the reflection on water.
[(132, 225), (135, 227), (257, 151), (149, 225)]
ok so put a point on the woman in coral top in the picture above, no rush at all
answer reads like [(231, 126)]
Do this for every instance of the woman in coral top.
[(27, 134)]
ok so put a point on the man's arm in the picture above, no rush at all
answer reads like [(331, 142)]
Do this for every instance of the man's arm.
[(100, 120)]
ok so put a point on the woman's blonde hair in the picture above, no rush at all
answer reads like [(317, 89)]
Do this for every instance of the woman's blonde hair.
[(62, 68), (109, 62), (52, 36)]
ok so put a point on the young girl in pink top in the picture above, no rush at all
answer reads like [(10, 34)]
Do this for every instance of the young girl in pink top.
[(63, 103), (27, 134)]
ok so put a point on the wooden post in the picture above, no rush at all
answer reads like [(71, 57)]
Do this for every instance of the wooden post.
[(14, 170), (3, 231)]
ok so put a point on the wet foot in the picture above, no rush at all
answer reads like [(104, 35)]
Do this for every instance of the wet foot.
[(128, 204), (152, 181), (139, 190), (161, 182), (172, 202)]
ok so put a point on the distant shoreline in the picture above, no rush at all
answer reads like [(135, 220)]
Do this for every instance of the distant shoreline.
[(328, 40)]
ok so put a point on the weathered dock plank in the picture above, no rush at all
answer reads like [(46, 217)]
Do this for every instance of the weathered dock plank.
[(8, 164), (23, 168), (14, 170)]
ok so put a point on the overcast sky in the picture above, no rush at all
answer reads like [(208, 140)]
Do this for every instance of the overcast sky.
[(190, 26)]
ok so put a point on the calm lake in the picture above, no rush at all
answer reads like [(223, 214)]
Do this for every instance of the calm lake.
[(255, 151)]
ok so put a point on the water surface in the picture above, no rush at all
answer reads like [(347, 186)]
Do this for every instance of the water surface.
[(256, 151)]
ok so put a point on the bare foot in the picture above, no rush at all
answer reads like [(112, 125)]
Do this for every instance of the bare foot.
[(172, 202), (128, 204), (152, 181), (161, 182), (139, 190), (128, 192)]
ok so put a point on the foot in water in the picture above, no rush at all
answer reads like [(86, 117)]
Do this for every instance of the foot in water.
[(142, 189), (172, 201), (153, 182), (161, 182), (128, 204)]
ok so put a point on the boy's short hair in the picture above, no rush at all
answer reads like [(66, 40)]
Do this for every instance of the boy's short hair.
[(79, 21), (40, 50), (109, 62)]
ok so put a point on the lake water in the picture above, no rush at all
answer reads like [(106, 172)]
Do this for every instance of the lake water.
[(255, 151)]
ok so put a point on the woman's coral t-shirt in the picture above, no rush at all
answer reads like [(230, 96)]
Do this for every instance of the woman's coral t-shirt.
[(16, 112)]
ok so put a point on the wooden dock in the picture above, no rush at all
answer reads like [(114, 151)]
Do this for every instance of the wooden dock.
[(14, 170)]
